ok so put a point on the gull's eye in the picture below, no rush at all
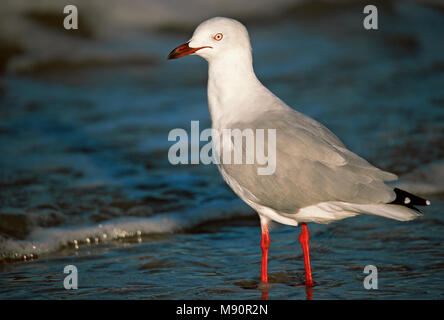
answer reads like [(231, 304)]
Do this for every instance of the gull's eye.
[(218, 36)]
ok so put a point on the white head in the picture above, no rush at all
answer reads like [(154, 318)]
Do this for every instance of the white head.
[(217, 39), (225, 44)]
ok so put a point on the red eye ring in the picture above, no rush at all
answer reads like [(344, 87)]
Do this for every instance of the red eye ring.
[(218, 36)]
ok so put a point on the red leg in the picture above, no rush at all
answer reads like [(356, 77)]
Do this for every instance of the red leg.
[(303, 239), (265, 244)]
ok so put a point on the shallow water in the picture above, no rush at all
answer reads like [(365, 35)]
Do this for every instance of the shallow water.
[(85, 178)]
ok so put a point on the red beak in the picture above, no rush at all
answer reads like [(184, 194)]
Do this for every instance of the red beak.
[(183, 50)]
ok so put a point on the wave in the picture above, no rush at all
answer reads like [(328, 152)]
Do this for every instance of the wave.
[(426, 180), (43, 241)]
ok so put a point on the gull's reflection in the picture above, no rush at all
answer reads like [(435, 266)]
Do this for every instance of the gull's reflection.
[(308, 292)]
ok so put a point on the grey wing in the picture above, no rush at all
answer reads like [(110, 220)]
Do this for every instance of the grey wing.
[(312, 166)]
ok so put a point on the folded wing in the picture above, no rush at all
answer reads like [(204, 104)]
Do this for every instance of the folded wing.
[(312, 166)]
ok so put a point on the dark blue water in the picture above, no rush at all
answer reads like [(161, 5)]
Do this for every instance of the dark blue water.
[(85, 177)]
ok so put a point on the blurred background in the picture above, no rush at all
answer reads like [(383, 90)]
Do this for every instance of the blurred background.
[(84, 171)]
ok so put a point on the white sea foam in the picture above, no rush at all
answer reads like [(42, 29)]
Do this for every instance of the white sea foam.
[(42, 241), (428, 179), (424, 180)]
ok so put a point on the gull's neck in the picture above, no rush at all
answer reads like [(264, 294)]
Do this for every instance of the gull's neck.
[(232, 84)]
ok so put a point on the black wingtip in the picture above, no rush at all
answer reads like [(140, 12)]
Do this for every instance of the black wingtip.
[(409, 200)]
